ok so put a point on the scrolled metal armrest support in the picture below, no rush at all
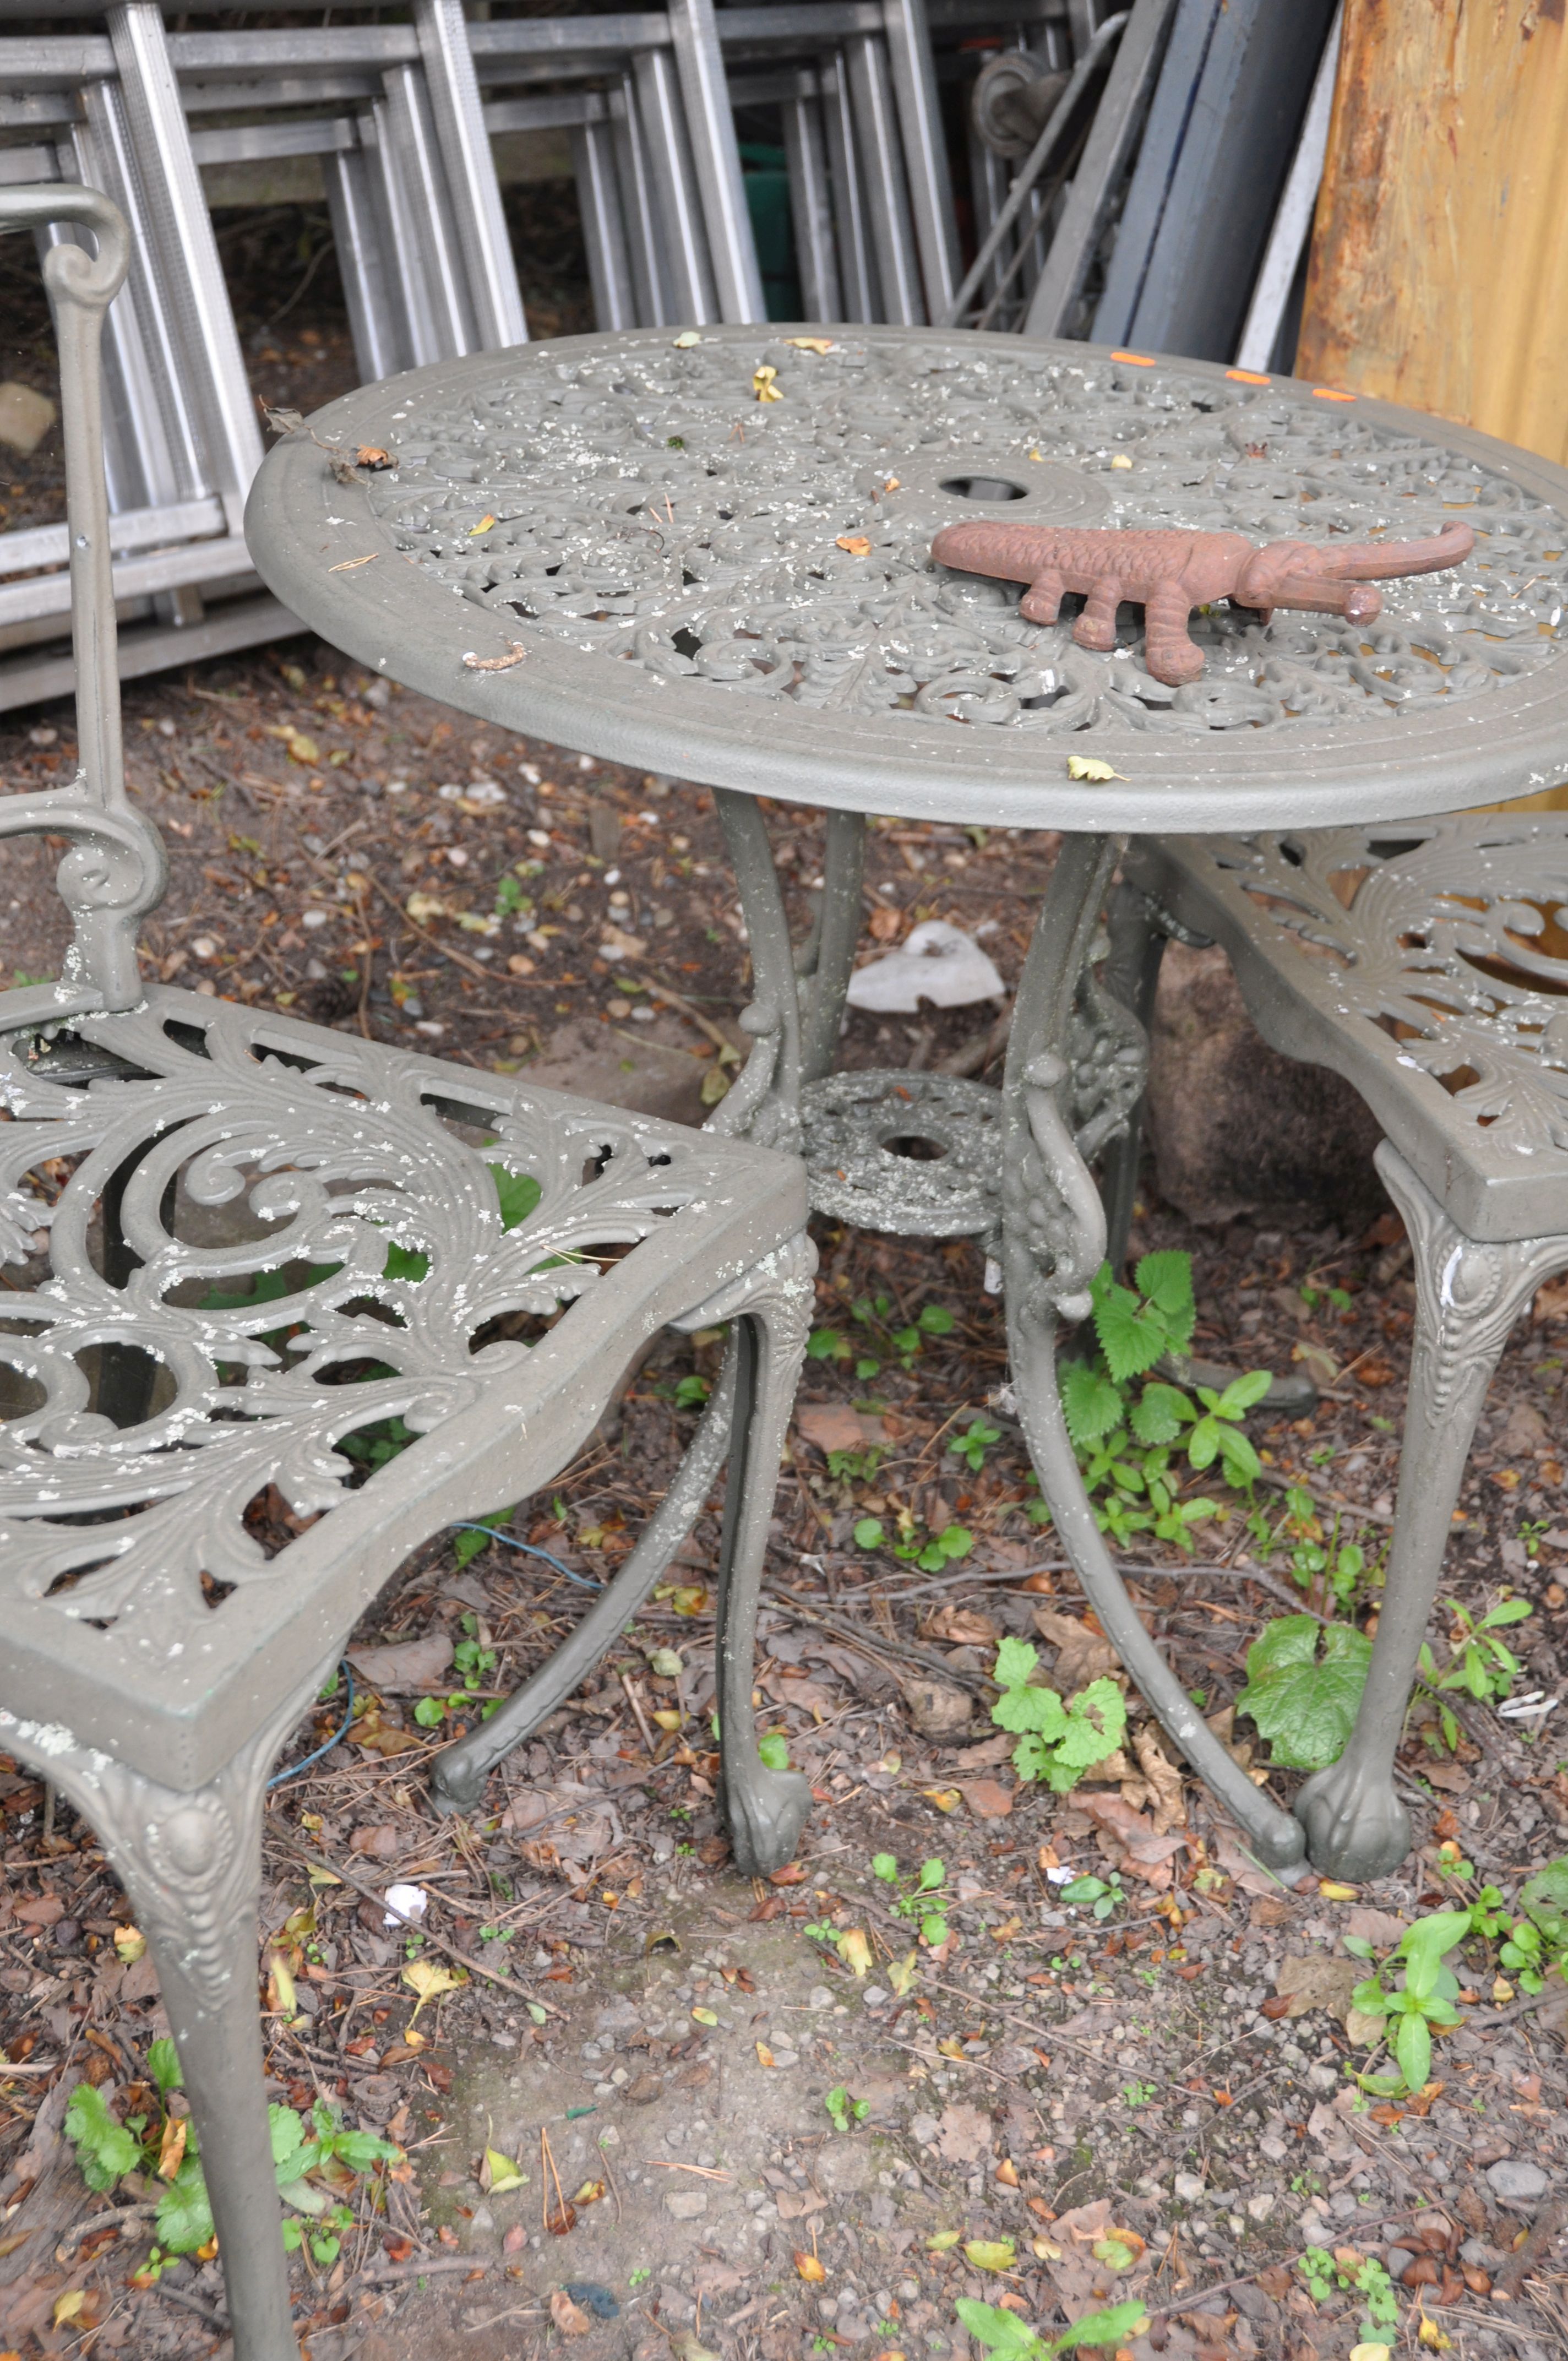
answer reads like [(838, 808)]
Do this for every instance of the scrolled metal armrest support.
[(114, 871)]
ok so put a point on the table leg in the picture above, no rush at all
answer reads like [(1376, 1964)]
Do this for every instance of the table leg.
[(763, 1102), (798, 1004), (1054, 1241)]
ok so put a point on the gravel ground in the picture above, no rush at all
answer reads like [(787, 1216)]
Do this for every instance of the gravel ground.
[(1133, 2100)]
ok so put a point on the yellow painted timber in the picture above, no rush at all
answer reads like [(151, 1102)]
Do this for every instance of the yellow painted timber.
[(1439, 271)]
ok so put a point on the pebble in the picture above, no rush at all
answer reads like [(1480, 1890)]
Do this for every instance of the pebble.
[(686, 2205), (1518, 2183), (1188, 2187), (1261, 2207)]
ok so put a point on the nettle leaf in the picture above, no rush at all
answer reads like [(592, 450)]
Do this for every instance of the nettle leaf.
[(1305, 1703), (163, 2065), (1165, 1281), (1131, 1341), (1096, 1724), (1161, 1413), (1091, 1403), (1122, 2319)]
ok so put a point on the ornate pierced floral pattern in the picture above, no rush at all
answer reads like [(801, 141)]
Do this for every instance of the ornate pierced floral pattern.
[(297, 1236), (642, 502), (1447, 934)]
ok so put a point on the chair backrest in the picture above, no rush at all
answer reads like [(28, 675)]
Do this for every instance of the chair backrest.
[(115, 870)]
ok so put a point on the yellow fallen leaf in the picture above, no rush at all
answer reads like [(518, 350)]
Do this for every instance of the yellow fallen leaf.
[(69, 2306), (855, 543), (1369, 2353), (893, 485), (685, 341), (808, 2266), (853, 1950), (590, 2193), (990, 2254), (1007, 2173), (486, 523), (413, 2037), (1120, 460), (947, 1799), (1119, 2249), (1046, 2250), (1430, 2333), (762, 384), (497, 2174), (302, 749), (1331, 1891), (171, 2153), (941, 2241), (667, 1717), (703, 2016), (764, 2055), (131, 1944), (950, 2046), (902, 1975), (1089, 767), (1501, 1990), (423, 907), (208, 2253), (425, 1978), (811, 344), (279, 1986)]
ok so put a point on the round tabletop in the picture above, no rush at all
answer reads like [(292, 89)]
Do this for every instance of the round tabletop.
[(708, 554)]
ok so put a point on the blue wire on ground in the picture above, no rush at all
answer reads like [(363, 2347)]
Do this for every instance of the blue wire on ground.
[(584, 1581), (277, 1781)]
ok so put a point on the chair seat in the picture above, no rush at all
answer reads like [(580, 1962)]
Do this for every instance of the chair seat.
[(266, 1241), (1427, 962)]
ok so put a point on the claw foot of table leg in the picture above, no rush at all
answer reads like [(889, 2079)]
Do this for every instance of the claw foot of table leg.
[(765, 1815), (1356, 1826)]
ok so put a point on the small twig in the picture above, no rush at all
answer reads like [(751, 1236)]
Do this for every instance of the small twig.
[(702, 2171), (415, 1926), (902, 1654), (635, 1702), (518, 2311), (214, 2319), (91, 2221), (383, 2274), (976, 1054), (1493, 2017), (1543, 2231)]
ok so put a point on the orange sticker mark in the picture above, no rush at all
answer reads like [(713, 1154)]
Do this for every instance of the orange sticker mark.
[(1328, 393), (1139, 360), (1247, 377)]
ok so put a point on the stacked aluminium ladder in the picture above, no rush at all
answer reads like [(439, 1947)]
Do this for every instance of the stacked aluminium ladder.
[(399, 121)]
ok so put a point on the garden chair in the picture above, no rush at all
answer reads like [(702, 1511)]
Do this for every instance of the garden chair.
[(478, 1259), (1427, 962)]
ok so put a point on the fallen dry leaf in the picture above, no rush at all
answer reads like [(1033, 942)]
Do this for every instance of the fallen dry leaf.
[(988, 1799), (831, 1426), (963, 2134), (1318, 1981), (936, 1709), (796, 2208), (1160, 1786), (1082, 1655), (964, 1626), (567, 2316), (855, 543), (411, 1665), (810, 2269)]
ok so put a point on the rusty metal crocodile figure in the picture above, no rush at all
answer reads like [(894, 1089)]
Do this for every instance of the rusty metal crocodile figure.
[(1169, 573)]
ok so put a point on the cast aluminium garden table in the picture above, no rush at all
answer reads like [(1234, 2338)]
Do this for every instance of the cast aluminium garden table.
[(709, 554)]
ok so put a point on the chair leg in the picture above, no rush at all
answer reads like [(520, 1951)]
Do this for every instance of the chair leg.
[(191, 1862), (458, 1773), (765, 1810), (1468, 1292)]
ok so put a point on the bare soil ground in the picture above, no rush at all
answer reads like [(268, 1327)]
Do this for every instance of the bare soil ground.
[(1125, 2099)]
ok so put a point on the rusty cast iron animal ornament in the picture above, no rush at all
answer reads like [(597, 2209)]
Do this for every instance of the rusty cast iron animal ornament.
[(1170, 572)]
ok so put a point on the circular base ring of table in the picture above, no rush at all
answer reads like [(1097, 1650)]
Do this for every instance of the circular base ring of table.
[(916, 1153)]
